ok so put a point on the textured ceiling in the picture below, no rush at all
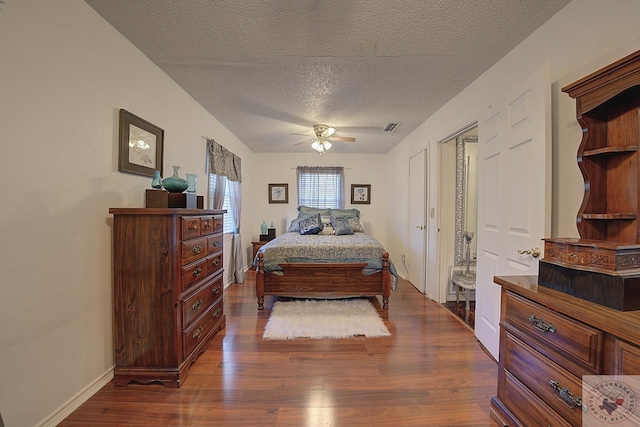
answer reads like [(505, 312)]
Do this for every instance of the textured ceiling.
[(269, 68)]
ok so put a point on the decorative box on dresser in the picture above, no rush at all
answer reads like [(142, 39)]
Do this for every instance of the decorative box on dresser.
[(168, 291), (548, 341)]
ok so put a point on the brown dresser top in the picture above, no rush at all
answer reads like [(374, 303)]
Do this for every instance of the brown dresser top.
[(165, 211), (625, 325)]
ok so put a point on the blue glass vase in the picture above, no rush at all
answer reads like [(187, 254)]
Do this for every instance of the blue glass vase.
[(192, 180), (156, 182), (175, 184)]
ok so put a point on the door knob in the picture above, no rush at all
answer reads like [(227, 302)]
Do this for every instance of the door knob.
[(534, 252), (421, 227)]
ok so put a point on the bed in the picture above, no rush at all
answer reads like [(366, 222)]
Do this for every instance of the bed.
[(326, 262)]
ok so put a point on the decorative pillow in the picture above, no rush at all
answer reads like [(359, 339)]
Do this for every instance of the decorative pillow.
[(345, 213), (306, 211), (295, 225), (341, 226), (355, 225), (311, 225), (327, 230)]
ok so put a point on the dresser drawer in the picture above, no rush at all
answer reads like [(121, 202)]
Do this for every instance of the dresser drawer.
[(567, 335), (624, 358), (193, 250), (190, 227), (214, 243), (214, 264), (193, 273), (528, 407), (218, 224), (206, 225), (551, 383), (197, 303), (201, 327)]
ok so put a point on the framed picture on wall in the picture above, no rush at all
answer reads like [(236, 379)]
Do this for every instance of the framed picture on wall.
[(361, 194), (141, 145), (278, 193)]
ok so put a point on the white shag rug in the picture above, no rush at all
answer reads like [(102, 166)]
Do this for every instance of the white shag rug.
[(324, 319)]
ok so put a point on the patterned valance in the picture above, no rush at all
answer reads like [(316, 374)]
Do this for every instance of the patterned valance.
[(223, 162)]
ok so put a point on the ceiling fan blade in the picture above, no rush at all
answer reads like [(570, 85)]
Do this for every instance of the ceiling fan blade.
[(306, 141), (301, 134), (341, 138)]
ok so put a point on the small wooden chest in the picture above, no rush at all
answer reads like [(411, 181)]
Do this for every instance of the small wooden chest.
[(603, 272), (596, 255)]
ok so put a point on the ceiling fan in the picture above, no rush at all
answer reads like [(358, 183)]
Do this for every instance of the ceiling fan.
[(323, 137)]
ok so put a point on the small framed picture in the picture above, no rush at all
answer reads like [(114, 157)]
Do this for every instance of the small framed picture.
[(278, 193), (360, 194), (141, 144)]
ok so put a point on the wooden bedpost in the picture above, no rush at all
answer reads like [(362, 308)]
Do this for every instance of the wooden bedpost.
[(260, 281), (386, 281)]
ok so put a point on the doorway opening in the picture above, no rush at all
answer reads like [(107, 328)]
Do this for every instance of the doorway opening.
[(458, 201)]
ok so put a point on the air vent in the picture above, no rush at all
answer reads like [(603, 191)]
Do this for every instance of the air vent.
[(390, 127)]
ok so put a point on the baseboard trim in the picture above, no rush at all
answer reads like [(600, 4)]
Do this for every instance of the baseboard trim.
[(76, 401)]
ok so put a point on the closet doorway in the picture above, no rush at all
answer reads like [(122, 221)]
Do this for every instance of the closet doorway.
[(458, 206)]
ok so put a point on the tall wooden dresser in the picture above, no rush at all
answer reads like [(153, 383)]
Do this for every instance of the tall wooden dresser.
[(167, 291), (548, 341)]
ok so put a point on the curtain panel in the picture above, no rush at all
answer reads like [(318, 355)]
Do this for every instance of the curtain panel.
[(223, 162), (225, 166)]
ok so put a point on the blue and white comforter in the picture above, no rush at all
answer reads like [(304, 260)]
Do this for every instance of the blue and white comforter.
[(318, 248)]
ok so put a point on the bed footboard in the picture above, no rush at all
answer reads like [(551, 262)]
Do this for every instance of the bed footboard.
[(323, 279)]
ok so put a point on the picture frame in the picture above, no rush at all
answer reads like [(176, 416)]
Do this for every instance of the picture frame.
[(278, 193), (141, 145), (360, 194)]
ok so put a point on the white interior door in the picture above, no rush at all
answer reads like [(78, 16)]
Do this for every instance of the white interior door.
[(416, 258), (514, 179)]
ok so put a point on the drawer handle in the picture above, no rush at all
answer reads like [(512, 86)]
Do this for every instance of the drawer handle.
[(193, 227), (197, 249), (197, 333), (196, 305), (215, 289), (217, 312), (197, 271), (541, 325), (207, 224), (565, 396), (215, 262), (216, 243)]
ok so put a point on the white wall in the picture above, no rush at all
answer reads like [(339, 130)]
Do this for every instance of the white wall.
[(359, 169), (65, 73), (582, 38)]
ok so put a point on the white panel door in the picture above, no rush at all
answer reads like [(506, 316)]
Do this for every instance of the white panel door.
[(417, 255), (514, 196)]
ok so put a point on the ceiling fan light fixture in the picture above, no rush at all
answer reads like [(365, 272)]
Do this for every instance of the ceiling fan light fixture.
[(321, 146)]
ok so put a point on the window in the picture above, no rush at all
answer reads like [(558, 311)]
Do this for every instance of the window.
[(228, 218), (228, 226), (321, 187)]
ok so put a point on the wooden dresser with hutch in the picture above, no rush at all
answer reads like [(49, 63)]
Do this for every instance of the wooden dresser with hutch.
[(550, 338), (167, 291), (548, 341)]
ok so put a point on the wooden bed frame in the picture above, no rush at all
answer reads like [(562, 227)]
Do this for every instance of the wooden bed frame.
[(323, 279)]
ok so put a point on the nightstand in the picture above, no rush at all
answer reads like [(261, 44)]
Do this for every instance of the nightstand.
[(256, 247)]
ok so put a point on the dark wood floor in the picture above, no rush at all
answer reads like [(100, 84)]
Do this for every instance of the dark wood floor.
[(430, 372)]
